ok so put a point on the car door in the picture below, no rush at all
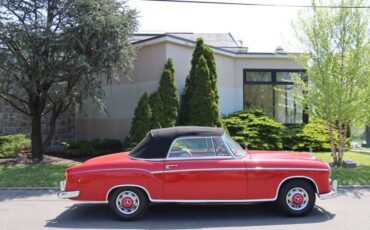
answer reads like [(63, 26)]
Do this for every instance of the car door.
[(203, 168)]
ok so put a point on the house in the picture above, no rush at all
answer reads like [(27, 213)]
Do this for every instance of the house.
[(246, 80)]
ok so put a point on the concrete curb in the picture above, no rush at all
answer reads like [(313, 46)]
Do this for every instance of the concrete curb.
[(57, 189)]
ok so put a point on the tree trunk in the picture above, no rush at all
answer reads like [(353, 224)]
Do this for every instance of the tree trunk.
[(332, 145), (367, 136), (342, 131), (37, 149)]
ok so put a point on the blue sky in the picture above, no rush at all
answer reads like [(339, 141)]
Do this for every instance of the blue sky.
[(262, 29)]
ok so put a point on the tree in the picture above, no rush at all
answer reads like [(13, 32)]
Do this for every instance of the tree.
[(336, 43), (156, 106), (203, 104), (141, 123), (58, 53), (169, 97), (186, 108)]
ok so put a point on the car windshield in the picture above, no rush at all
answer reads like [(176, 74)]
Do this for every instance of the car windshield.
[(235, 147)]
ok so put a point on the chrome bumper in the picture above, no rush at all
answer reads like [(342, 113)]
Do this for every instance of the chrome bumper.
[(66, 194), (332, 193)]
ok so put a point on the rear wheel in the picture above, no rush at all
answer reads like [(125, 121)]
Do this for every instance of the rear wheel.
[(128, 203), (297, 198)]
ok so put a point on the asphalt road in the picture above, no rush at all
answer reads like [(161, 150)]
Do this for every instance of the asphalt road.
[(42, 210)]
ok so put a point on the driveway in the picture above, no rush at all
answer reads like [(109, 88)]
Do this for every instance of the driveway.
[(42, 210)]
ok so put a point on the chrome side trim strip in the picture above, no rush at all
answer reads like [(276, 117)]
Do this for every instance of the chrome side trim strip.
[(205, 169), (213, 201), (304, 169), (295, 177), (111, 169), (129, 185)]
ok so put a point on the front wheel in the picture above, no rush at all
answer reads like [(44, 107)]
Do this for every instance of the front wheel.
[(297, 198), (128, 203)]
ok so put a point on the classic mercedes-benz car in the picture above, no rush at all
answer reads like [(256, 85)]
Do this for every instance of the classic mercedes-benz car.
[(198, 165)]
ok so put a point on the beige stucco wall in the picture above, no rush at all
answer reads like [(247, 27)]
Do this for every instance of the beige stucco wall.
[(122, 97)]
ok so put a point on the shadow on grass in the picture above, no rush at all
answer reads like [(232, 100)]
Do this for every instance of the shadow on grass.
[(352, 176), (176, 216)]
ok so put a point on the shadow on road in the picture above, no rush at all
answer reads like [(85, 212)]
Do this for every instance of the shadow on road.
[(176, 216), (355, 193), (23, 194)]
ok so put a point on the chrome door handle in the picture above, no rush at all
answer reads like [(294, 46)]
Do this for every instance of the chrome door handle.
[(168, 167)]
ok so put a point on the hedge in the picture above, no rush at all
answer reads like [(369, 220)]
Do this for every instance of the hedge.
[(11, 145), (257, 131), (92, 148)]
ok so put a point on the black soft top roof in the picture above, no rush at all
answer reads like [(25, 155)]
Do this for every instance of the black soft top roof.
[(157, 142)]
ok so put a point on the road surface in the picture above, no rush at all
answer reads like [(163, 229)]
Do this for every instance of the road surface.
[(42, 210)]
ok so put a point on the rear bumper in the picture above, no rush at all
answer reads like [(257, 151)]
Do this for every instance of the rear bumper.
[(333, 191), (66, 194)]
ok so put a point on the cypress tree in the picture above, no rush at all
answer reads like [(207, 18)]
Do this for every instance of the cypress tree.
[(141, 122), (186, 97), (187, 107), (204, 105), (156, 106), (211, 62), (168, 93)]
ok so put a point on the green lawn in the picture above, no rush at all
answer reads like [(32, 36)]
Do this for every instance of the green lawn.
[(348, 176), (31, 175), (49, 175)]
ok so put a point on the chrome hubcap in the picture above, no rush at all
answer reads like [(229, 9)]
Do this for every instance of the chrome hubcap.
[(297, 198), (127, 202)]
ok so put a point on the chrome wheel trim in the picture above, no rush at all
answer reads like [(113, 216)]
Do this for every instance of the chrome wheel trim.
[(127, 195), (297, 191)]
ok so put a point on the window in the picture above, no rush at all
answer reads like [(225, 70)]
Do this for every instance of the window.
[(198, 147), (235, 147), (272, 91)]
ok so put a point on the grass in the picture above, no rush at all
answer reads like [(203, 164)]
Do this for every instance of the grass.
[(31, 175), (350, 176), (49, 175)]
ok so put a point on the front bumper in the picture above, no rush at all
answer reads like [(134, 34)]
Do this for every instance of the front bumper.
[(333, 191), (66, 194)]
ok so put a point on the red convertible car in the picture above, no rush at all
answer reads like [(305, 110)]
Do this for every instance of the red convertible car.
[(198, 165)]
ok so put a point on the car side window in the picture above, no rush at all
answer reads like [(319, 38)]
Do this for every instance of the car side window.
[(220, 147), (193, 147)]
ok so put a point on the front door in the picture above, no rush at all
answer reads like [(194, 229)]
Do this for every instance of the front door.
[(202, 168)]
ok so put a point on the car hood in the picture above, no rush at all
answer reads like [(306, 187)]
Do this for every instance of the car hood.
[(279, 155)]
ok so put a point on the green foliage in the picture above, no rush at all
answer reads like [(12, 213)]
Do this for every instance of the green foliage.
[(168, 92), (204, 107), (92, 148), (187, 114), (156, 107), (141, 123), (336, 53), (11, 145), (254, 130), (32, 175), (312, 136), (58, 53)]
